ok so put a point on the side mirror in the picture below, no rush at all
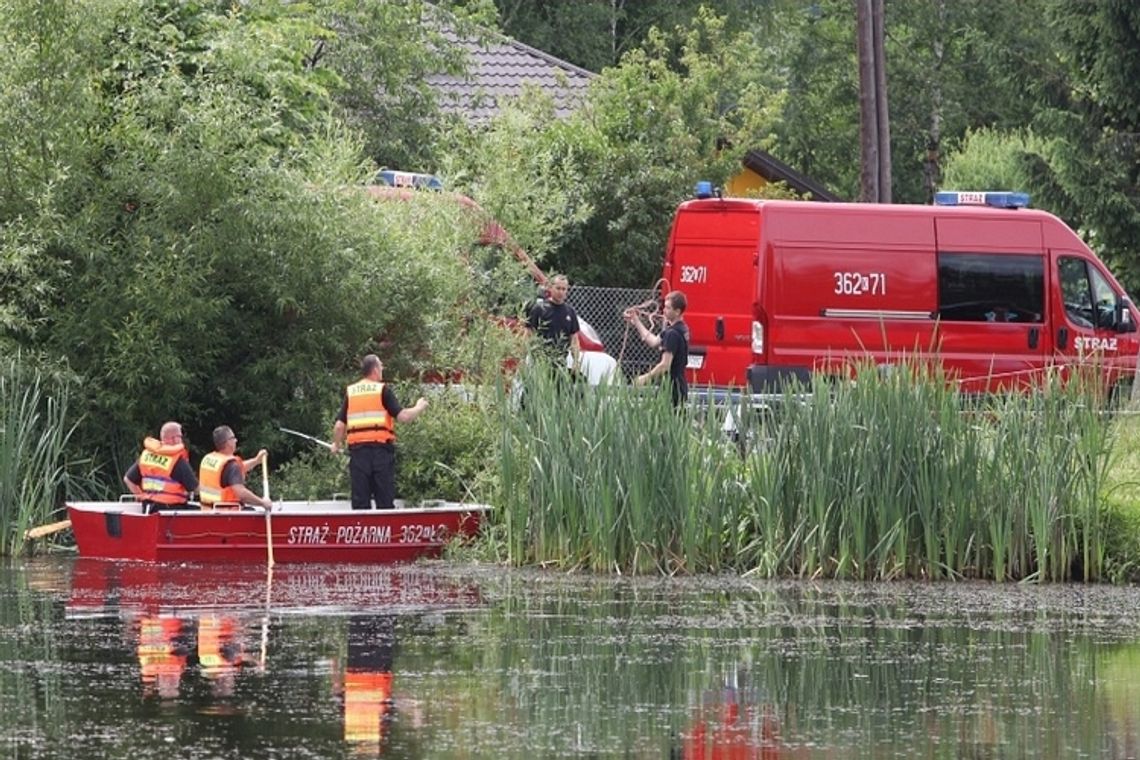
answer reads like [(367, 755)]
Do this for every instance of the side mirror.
[(1122, 317)]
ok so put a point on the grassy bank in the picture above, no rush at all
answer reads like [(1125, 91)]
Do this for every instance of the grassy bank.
[(887, 477), (35, 427)]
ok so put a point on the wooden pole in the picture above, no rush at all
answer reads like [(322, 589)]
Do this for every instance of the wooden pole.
[(268, 512), (46, 530)]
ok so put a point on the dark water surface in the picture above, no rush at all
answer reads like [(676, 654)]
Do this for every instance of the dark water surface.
[(114, 660)]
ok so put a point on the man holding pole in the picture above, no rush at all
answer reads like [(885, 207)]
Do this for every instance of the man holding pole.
[(222, 474), (368, 418)]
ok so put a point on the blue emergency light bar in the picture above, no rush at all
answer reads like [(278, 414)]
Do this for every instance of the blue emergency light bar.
[(704, 189), (416, 180), (995, 199)]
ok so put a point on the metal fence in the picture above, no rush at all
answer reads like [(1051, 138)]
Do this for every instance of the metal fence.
[(602, 308)]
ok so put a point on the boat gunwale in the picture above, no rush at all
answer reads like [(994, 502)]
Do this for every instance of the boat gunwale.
[(297, 508)]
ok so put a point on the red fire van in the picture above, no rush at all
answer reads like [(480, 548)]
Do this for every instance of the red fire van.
[(995, 292)]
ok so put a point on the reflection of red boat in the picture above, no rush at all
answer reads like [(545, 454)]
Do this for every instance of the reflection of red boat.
[(129, 588), (302, 531)]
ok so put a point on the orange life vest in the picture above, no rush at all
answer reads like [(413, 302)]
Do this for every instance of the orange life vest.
[(218, 650), (367, 700), (156, 466), (210, 488), (367, 420), (160, 661)]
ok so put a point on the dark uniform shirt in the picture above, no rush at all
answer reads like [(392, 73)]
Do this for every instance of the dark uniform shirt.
[(675, 340), (554, 323)]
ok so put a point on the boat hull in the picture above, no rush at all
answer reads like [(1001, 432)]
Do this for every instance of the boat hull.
[(308, 532)]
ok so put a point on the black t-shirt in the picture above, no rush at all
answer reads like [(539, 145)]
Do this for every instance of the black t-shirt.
[(554, 323), (233, 474), (675, 340)]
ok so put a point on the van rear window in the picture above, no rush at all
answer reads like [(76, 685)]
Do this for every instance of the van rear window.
[(989, 287)]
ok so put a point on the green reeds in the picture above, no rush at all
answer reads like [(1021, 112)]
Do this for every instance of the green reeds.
[(33, 435), (889, 475), (613, 479)]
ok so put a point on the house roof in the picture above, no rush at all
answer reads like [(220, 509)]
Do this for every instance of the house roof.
[(774, 170), (498, 68)]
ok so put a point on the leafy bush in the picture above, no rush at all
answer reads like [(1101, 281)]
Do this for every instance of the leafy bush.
[(447, 452), (442, 455)]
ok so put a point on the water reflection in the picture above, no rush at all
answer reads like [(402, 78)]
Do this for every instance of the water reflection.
[(444, 662), (164, 647), (366, 687), (206, 638), (734, 722)]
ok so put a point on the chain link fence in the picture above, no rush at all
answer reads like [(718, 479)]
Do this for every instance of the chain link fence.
[(602, 308)]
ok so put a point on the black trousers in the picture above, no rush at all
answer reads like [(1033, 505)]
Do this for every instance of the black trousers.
[(372, 470)]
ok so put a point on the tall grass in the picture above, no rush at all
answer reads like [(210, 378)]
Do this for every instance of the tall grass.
[(888, 476), (612, 480), (34, 432)]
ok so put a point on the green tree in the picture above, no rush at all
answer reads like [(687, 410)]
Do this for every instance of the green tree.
[(683, 108), (1093, 177), (951, 67), (383, 54), (185, 231), (595, 34)]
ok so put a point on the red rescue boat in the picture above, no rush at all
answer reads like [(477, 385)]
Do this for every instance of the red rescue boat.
[(300, 531)]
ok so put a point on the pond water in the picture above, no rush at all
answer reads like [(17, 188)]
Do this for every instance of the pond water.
[(102, 659)]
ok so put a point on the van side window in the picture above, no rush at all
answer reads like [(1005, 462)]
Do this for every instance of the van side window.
[(989, 287), (1089, 299)]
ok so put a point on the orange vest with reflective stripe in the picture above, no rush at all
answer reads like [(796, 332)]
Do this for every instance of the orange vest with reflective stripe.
[(218, 650), (210, 488), (367, 699), (156, 466), (367, 420), (161, 667)]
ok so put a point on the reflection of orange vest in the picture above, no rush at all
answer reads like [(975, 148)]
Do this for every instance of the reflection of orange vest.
[(367, 698), (159, 663), (156, 466), (210, 489), (215, 637), (367, 420)]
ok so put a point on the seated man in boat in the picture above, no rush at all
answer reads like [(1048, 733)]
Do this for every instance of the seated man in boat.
[(222, 474), (162, 478), (368, 416)]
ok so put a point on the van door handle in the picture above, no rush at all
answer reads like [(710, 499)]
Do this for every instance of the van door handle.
[(1034, 337), (1062, 337), (720, 328)]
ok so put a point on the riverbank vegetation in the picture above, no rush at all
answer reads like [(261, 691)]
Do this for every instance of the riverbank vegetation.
[(888, 476), (36, 424)]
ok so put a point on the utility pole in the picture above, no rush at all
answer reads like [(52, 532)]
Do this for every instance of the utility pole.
[(874, 117)]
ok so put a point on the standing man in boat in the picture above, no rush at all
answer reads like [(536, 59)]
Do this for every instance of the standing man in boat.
[(162, 478), (222, 474), (368, 418)]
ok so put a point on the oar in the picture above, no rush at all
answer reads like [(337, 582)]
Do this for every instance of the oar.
[(307, 437), (268, 511), (265, 622), (46, 530)]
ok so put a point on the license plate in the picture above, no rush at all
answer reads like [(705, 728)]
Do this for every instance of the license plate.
[(696, 361)]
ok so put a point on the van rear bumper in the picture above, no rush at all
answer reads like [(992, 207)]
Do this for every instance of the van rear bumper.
[(764, 378)]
